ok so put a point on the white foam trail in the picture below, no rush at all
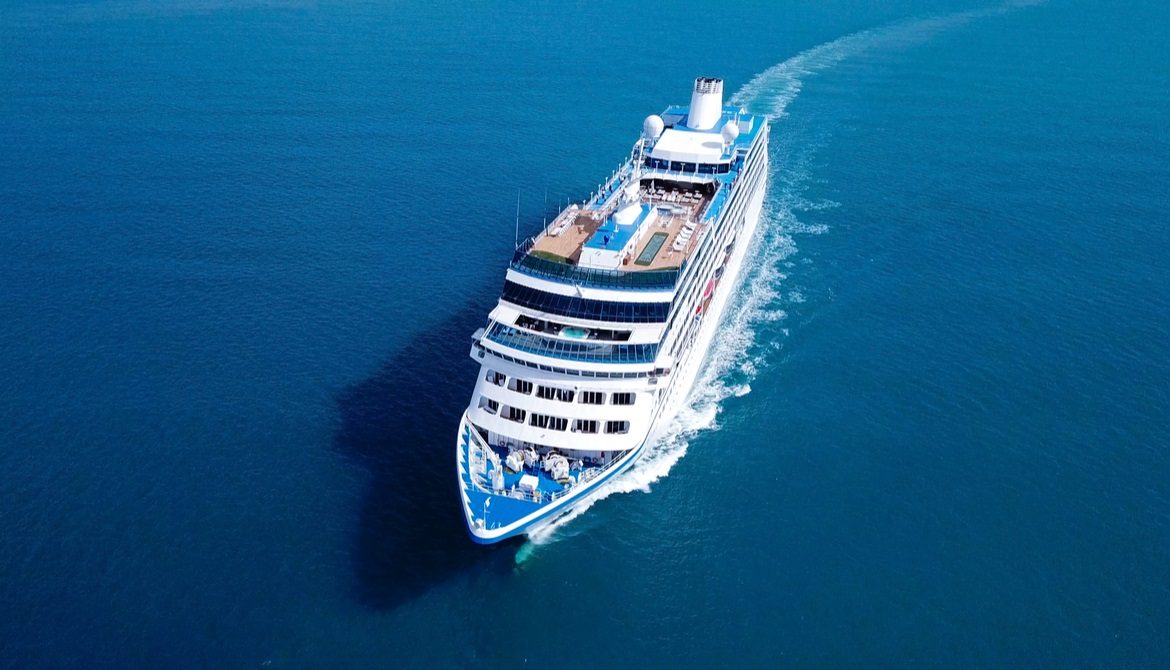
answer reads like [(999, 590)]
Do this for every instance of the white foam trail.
[(734, 358), (771, 91), (728, 370)]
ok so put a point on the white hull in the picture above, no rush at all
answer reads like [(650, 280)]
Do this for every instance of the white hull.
[(672, 399), (689, 370)]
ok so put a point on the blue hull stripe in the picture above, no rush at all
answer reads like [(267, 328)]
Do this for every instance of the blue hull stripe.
[(515, 510)]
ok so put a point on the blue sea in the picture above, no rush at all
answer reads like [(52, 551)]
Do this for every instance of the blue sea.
[(243, 246)]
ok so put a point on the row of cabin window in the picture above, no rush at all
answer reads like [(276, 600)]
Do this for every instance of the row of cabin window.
[(555, 422), (697, 269), (555, 393), (585, 308), (681, 166)]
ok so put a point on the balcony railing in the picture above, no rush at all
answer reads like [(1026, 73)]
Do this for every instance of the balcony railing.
[(585, 351)]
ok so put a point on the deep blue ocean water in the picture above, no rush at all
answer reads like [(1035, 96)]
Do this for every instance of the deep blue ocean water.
[(243, 246)]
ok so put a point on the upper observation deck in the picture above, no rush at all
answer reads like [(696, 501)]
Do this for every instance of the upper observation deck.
[(639, 229)]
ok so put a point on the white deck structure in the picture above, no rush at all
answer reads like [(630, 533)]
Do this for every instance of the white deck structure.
[(606, 315)]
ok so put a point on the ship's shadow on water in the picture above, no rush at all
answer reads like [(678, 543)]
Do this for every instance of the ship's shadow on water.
[(400, 426)]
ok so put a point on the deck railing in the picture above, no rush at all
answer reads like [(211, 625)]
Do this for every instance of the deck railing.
[(477, 467), (585, 351), (651, 280)]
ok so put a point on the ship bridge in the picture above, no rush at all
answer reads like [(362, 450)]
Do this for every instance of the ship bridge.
[(597, 288)]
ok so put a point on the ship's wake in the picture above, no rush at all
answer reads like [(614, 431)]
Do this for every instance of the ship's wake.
[(735, 356), (770, 91), (732, 362)]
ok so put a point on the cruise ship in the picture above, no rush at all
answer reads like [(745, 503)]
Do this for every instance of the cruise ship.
[(606, 317)]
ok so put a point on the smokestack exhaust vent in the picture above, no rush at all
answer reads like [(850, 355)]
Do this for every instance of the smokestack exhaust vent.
[(706, 104)]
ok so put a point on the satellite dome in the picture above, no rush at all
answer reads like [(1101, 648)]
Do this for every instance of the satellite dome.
[(653, 126), (730, 131)]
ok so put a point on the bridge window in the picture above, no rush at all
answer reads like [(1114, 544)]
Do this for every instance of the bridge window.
[(592, 397), (520, 386), (554, 393), (617, 427), (550, 422), (581, 308), (576, 350), (622, 398)]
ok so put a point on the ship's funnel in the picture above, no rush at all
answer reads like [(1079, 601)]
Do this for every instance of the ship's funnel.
[(706, 104)]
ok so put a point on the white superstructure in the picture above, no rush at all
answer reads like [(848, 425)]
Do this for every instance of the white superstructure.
[(606, 316)]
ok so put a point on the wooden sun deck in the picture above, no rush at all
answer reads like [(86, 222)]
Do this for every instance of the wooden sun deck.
[(569, 232)]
